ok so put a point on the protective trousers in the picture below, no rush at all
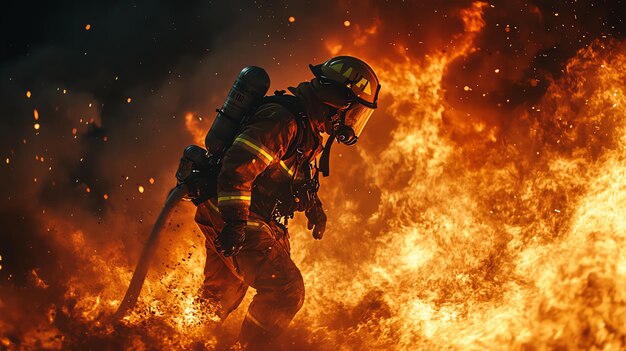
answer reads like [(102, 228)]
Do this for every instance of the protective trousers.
[(264, 263)]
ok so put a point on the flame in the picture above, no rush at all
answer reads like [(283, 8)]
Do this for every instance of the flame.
[(197, 127), (520, 253), (504, 238)]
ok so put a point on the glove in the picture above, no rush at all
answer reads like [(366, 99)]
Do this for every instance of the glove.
[(230, 240), (316, 220)]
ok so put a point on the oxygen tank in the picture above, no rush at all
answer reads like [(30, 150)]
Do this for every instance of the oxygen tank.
[(244, 97)]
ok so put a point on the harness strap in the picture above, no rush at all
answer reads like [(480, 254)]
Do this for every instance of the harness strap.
[(325, 158), (293, 105)]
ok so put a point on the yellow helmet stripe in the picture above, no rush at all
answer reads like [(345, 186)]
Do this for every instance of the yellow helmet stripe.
[(337, 67), (347, 73), (365, 86)]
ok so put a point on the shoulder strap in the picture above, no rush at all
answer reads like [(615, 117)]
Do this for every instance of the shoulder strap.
[(293, 105)]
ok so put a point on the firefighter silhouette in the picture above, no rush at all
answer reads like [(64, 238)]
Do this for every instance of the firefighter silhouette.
[(270, 171)]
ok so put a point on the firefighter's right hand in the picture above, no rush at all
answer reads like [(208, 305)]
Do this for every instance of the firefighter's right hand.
[(230, 240), (316, 220)]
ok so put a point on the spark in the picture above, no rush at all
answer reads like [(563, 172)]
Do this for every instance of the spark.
[(36, 114), (8, 160), (28, 94), (87, 26), (346, 23), (497, 70), (292, 19), (105, 196), (463, 238), (36, 126), (129, 100)]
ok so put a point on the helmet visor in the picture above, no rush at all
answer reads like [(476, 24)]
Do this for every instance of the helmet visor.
[(356, 117)]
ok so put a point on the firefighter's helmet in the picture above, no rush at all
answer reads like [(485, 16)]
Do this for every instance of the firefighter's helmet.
[(351, 86)]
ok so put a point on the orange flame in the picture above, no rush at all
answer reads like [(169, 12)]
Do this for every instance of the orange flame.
[(523, 251)]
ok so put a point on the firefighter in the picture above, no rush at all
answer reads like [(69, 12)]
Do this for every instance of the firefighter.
[(268, 173)]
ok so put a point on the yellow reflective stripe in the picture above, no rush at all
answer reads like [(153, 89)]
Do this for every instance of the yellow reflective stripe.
[(257, 224), (240, 198), (289, 171), (258, 148), (285, 168), (234, 197), (256, 321), (234, 193), (213, 206)]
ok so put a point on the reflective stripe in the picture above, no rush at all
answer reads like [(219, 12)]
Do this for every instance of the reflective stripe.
[(289, 171), (260, 150), (258, 225), (213, 206), (241, 198), (256, 322), (234, 197), (285, 168)]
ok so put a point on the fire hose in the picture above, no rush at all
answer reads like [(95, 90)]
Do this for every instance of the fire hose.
[(197, 175), (149, 249)]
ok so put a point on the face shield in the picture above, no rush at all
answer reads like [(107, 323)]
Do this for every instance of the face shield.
[(356, 117), (352, 111), (353, 120)]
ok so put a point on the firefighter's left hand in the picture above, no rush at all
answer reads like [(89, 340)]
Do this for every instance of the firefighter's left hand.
[(230, 240), (316, 220)]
